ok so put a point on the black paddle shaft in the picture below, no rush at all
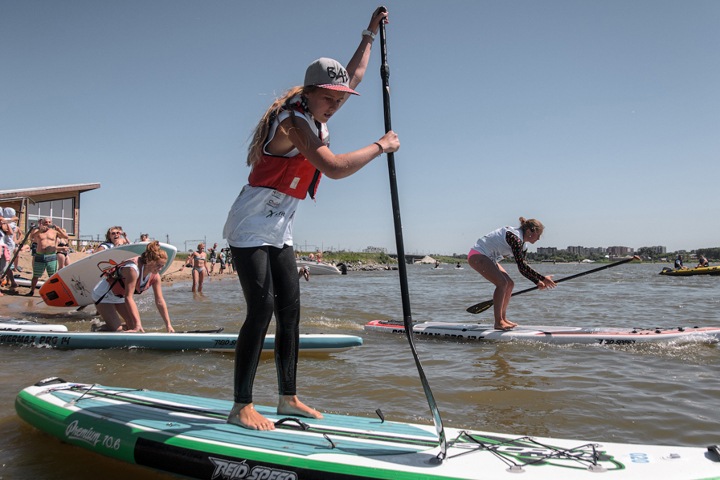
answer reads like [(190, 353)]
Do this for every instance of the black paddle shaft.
[(19, 247), (402, 265)]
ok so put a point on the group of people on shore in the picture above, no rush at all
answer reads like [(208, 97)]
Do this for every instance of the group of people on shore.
[(49, 244), (114, 295)]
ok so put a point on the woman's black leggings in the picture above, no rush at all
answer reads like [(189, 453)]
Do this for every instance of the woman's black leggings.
[(269, 280)]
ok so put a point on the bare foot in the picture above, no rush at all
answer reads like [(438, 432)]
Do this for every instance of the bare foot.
[(245, 415), (512, 324), (503, 325), (290, 405)]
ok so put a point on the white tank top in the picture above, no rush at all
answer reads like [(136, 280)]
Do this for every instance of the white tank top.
[(494, 246)]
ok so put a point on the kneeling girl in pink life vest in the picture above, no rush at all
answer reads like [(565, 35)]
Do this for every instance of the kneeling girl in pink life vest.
[(114, 295)]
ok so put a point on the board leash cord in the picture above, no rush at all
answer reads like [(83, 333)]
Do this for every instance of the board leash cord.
[(516, 453)]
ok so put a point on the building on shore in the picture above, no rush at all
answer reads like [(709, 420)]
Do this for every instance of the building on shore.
[(60, 203)]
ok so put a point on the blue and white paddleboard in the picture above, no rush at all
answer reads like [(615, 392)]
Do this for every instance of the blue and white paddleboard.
[(188, 436), (309, 342)]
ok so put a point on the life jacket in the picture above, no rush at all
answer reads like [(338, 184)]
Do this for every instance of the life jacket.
[(294, 176), (115, 279)]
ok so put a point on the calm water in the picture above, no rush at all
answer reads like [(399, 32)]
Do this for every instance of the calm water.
[(652, 394)]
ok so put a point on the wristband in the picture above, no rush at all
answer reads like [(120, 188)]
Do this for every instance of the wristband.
[(382, 150), (368, 33)]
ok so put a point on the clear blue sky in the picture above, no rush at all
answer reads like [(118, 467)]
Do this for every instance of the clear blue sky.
[(600, 118)]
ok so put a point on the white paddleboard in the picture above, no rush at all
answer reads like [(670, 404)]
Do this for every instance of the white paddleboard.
[(72, 286), (14, 325), (552, 334)]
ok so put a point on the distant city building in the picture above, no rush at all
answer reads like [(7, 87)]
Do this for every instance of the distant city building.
[(547, 251), (619, 251), (375, 250), (579, 250), (656, 249)]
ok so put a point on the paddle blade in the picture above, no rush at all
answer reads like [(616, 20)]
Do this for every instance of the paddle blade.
[(480, 307)]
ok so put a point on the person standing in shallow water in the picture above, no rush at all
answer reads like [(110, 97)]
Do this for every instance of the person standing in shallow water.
[(289, 153), (488, 251), (199, 268)]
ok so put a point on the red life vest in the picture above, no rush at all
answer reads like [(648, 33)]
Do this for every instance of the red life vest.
[(117, 285), (294, 176)]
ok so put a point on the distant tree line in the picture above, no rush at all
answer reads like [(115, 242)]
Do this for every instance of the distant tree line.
[(646, 253)]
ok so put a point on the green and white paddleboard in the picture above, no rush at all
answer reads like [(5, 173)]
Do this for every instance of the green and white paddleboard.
[(189, 436)]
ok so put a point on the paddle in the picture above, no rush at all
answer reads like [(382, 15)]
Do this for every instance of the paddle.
[(482, 306), (407, 316), (17, 251)]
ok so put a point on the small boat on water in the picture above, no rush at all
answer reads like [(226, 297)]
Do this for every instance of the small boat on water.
[(318, 268), (686, 272)]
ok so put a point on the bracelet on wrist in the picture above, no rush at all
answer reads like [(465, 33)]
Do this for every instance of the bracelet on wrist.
[(368, 33), (382, 150)]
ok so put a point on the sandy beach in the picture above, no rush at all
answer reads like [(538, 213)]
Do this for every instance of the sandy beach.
[(9, 303)]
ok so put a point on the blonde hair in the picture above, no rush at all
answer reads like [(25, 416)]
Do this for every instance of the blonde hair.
[(153, 253), (262, 129), (532, 225), (108, 237)]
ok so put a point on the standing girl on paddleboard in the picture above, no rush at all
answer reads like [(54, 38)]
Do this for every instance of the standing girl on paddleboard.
[(492, 248), (288, 154), (114, 295)]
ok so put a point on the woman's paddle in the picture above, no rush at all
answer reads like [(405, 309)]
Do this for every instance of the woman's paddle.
[(482, 306), (8, 270), (402, 266)]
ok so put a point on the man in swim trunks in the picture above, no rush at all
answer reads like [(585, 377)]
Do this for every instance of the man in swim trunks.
[(45, 236)]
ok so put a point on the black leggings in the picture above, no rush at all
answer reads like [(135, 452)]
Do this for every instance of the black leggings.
[(269, 280)]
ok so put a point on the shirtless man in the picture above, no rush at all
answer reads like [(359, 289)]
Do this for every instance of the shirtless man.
[(45, 236)]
